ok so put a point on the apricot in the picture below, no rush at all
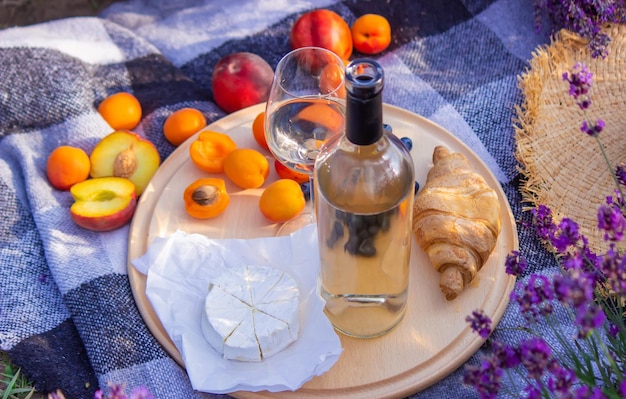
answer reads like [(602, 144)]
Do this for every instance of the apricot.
[(282, 200), (247, 168), (122, 111), (66, 166), (322, 28), (182, 124), (206, 198), (210, 149), (371, 34), (258, 130), (241, 80)]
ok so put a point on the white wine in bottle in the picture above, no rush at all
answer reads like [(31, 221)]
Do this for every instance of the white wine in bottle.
[(364, 188)]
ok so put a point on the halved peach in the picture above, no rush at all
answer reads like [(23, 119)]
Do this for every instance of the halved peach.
[(103, 204), (125, 154)]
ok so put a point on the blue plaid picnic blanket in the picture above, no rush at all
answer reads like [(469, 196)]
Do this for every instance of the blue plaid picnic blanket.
[(67, 314)]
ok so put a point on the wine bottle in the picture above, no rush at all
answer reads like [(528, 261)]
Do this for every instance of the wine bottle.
[(364, 188)]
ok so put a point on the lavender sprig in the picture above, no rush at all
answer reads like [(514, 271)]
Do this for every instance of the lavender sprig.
[(584, 17), (590, 288)]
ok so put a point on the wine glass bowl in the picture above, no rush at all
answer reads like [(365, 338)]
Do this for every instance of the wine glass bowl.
[(305, 106)]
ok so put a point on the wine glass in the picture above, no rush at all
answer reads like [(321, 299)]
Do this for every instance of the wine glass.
[(306, 106)]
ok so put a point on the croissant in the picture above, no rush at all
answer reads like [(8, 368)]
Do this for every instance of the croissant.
[(456, 220)]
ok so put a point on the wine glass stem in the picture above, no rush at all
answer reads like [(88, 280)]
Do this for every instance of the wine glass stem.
[(311, 204)]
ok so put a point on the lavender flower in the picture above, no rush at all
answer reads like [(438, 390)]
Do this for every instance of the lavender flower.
[(485, 377), (580, 79), (584, 17), (612, 221), (536, 297), (536, 356), (480, 323), (515, 264), (620, 173), (567, 235)]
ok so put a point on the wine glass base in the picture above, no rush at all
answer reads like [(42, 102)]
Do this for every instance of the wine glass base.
[(295, 224)]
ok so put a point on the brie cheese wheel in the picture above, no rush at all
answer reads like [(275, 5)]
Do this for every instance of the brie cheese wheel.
[(251, 313)]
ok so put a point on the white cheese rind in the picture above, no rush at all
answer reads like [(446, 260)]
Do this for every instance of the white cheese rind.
[(251, 313)]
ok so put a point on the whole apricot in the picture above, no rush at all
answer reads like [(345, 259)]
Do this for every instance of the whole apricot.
[(66, 166), (182, 124), (122, 111), (258, 130), (371, 34), (247, 168), (282, 200), (241, 80), (322, 28)]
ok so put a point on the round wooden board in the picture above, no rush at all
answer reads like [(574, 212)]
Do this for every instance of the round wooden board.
[(433, 339)]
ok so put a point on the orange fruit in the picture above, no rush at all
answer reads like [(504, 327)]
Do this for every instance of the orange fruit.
[(285, 173), (282, 200), (182, 124), (371, 34), (258, 130), (247, 168), (66, 166), (122, 111)]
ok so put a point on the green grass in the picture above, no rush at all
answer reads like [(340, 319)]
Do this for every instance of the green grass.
[(13, 385)]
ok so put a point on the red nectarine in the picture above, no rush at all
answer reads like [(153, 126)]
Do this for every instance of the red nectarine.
[(125, 154), (322, 28), (241, 80)]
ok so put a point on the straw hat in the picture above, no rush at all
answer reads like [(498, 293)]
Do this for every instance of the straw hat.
[(563, 167)]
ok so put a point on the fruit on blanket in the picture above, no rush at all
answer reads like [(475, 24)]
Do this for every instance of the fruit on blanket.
[(371, 34), (322, 28), (209, 150), (125, 154), (241, 80), (282, 200), (286, 173), (66, 166), (206, 198), (182, 124), (103, 204), (122, 111), (247, 168), (258, 130)]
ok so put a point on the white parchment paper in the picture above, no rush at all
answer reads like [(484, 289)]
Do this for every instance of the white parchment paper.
[(179, 268)]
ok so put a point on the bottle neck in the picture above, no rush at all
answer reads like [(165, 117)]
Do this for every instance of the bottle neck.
[(364, 119), (364, 102)]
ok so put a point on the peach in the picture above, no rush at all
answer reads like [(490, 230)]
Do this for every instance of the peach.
[(322, 28), (371, 34), (104, 203), (125, 154), (241, 80)]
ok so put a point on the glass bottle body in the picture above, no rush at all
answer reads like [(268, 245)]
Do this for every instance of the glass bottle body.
[(364, 199)]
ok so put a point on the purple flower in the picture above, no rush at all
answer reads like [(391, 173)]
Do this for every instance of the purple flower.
[(580, 79), (584, 392), (589, 318), (506, 356), (515, 264), (622, 387), (485, 377), (613, 267), (532, 392), (536, 356), (561, 380), (480, 323), (574, 287), (620, 173), (544, 226), (536, 297), (611, 220), (592, 129), (566, 235)]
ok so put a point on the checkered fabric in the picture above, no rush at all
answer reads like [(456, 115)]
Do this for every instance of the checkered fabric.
[(67, 314)]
